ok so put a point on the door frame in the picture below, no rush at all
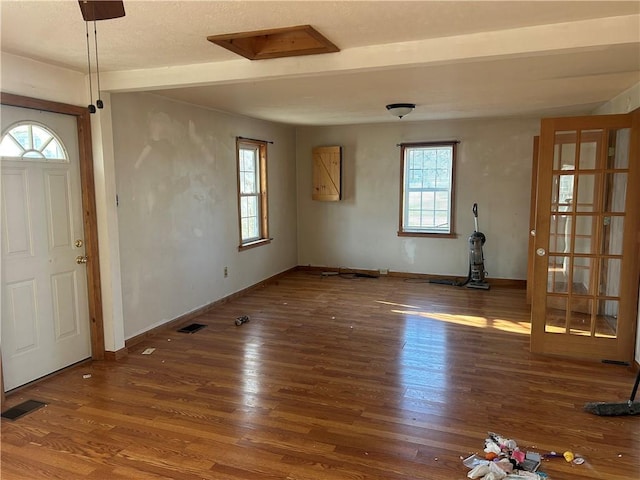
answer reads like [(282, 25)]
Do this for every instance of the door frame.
[(89, 211), (531, 257)]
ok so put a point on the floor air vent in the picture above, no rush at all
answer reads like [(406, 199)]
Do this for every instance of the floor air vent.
[(23, 409), (191, 328)]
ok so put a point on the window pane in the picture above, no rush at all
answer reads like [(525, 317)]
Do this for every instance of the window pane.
[(415, 178), (248, 162), (22, 134), (587, 192), (40, 137), (248, 171), (428, 201), (615, 192), (54, 150), (252, 210), (10, 147), (415, 200), (442, 219), (414, 218), (245, 228), (443, 178), (249, 214), (248, 182), (430, 178), (253, 227), (244, 208), (442, 200)]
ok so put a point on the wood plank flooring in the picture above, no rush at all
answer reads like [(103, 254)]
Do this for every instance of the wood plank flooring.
[(332, 378)]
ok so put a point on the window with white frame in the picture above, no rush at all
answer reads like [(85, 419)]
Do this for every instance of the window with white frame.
[(252, 192), (427, 188)]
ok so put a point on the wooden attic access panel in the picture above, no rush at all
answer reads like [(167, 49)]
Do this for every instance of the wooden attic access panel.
[(327, 171), (275, 43)]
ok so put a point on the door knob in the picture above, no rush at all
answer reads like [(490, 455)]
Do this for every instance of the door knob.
[(541, 252), (80, 259)]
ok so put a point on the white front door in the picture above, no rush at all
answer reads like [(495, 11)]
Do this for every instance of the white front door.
[(45, 315)]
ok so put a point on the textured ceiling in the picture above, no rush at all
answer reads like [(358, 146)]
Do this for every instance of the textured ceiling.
[(453, 59)]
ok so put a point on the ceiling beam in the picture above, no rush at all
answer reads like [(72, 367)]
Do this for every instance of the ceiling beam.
[(512, 43)]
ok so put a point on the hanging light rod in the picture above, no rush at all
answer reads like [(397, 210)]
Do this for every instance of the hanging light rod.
[(401, 109), (92, 11), (92, 107)]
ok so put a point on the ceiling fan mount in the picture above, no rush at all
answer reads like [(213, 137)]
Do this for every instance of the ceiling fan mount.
[(93, 10)]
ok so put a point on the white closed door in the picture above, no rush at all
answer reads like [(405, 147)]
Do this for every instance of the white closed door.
[(45, 315)]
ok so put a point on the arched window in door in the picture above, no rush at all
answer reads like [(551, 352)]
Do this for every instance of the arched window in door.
[(32, 141)]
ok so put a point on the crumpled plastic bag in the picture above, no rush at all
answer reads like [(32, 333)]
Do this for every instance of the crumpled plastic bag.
[(523, 475), (493, 471), (494, 476), (479, 471), (491, 447)]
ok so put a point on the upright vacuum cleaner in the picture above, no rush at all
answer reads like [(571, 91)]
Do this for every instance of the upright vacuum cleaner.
[(476, 257), (476, 277)]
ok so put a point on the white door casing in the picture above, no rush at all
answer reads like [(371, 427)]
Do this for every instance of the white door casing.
[(45, 315)]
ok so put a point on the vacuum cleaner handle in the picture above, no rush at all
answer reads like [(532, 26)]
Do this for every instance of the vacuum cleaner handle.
[(475, 216)]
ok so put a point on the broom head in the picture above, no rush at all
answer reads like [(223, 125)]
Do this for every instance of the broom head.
[(610, 409)]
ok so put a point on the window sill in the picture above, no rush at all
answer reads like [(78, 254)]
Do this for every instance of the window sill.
[(428, 235), (255, 243)]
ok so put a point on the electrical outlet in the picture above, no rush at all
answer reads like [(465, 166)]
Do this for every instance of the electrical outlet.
[(226, 272), (384, 271)]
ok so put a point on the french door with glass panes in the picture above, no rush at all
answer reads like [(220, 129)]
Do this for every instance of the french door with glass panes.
[(585, 281)]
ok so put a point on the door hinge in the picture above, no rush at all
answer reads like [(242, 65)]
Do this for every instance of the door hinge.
[(612, 151)]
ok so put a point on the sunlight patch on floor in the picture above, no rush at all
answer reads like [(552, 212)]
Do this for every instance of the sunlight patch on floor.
[(474, 321), (574, 331), (395, 304)]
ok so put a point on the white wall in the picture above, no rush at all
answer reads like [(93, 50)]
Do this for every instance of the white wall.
[(178, 209), (30, 78), (360, 231), (626, 102)]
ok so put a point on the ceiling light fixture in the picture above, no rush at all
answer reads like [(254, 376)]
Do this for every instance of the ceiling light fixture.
[(401, 109)]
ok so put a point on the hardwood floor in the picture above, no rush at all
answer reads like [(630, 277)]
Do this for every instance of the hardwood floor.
[(332, 378)]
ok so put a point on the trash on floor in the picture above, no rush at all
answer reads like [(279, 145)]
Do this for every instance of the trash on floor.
[(86, 375), (241, 320), (148, 351), (502, 459)]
